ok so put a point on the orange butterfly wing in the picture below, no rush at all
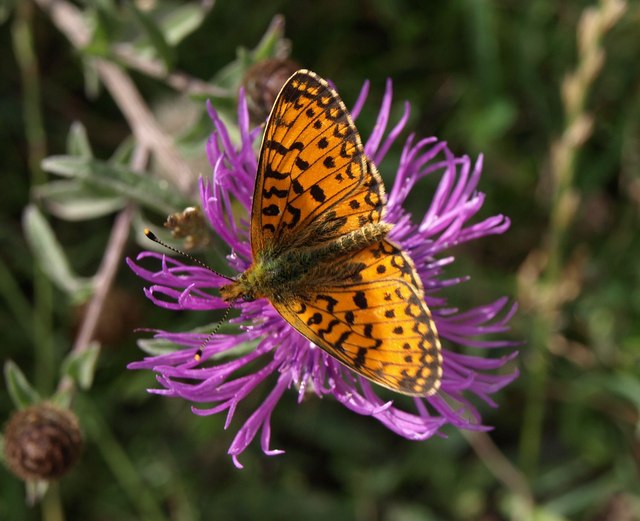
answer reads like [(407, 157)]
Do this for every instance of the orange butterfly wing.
[(313, 174), (314, 186), (378, 326)]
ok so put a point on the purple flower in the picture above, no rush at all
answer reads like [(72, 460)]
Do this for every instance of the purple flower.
[(285, 359)]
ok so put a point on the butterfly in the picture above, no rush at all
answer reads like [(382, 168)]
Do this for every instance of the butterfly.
[(320, 250)]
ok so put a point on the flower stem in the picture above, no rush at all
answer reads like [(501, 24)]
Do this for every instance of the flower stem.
[(22, 40), (500, 466), (52, 504), (546, 293), (107, 271), (124, 470)]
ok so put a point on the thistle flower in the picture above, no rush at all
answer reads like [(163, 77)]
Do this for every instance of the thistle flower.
[(287, 360)]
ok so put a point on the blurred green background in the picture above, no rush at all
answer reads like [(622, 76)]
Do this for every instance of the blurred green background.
[(548, 91)]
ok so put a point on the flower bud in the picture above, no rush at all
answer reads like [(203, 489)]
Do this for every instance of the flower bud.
[(262, 83), (42, 442), (189, 225)]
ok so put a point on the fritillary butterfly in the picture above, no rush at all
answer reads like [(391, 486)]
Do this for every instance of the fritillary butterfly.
[(320, 252)]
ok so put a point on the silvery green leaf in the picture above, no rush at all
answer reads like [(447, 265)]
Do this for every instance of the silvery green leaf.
[(20, 390), (35, 491), (150, 192), (73, 201), (122, 154), (80, 367), (155, 35), (183, 20), (271, 45), (78, 141), (162, 346), (49, 254)]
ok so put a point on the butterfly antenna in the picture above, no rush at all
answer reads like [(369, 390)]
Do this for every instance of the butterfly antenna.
[(154, 238), (198, 354)]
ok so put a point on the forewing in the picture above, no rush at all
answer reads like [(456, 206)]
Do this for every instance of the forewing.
[(314, 181), (377, 323)]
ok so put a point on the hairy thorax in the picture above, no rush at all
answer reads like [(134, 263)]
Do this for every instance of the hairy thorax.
[(284, 275)]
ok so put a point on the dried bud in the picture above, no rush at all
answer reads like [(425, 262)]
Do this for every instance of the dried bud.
[(42, 442), (190, 226), (262, 83)]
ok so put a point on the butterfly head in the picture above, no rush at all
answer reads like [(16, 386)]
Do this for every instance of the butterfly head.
[(245, 288), (238, 290)]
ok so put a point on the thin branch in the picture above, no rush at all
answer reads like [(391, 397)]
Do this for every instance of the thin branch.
[(144, 126), (542, 288), (141, 120), (503, 470), (154, 68), (107, 271)]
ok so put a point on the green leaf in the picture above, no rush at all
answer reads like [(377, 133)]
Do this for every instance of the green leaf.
[(626, 386), (63, 397), (20, 390), (81, 367), (49, 254), (271, 45), (183, 21), (78, 141), (36, 491), (104, 25), (124, 152), (92, 84), (74, 201), (155, 35), (146, 190), (157, 346), (162, 346), (272, 42)]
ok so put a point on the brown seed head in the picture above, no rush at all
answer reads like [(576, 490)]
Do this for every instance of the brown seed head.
[(42, 442)]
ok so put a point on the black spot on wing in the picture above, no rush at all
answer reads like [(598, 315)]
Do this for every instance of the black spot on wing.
[(280, 194), (302, 164), (295, 215), (316, 318), (271, 210), (297, 187), (329, 162), (270, 173), (360, 358), (360, 300), (318, 193), (276, 146), (331, 302)]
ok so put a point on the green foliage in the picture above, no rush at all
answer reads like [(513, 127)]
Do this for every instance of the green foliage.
[(20, 390), (485, 76)]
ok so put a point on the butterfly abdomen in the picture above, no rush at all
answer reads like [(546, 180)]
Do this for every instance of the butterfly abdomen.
[(355, 241), (283, 276)]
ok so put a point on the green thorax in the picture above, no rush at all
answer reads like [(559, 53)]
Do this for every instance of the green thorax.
[(286, 273)]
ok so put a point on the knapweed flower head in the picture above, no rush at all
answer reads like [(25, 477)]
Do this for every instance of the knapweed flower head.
[(215, 372)]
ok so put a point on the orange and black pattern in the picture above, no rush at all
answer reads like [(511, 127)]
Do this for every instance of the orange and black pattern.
[(318, 194)]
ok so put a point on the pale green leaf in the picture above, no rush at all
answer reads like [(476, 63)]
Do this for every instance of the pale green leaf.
[(49, 253), (146, 190), (20, 390), (74, 201), (78, 141), (80, 367)]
